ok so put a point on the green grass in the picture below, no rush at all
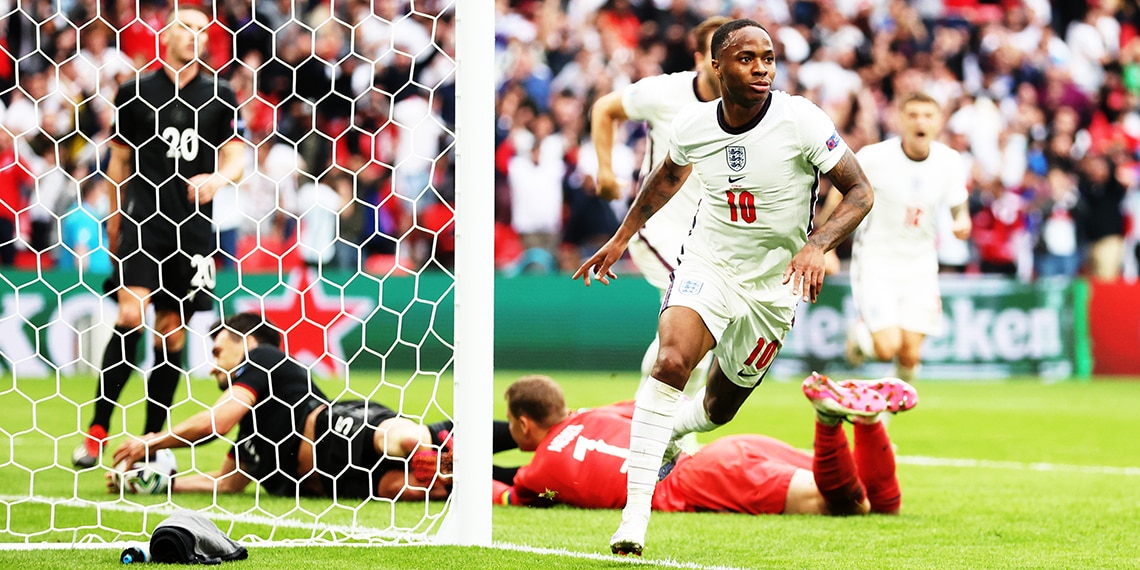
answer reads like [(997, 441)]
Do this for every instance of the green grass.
[(1012, 474)]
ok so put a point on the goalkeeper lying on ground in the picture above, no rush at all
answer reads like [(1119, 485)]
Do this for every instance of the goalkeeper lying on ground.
[(291, 439), (581, 458)]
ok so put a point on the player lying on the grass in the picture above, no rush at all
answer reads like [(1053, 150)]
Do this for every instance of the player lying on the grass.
[(580, 458), (292, 440)]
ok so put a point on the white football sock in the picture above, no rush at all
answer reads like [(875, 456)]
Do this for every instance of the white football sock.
[(692, 417), (906, 374), (648, 360), (699, 377), (649, 434)]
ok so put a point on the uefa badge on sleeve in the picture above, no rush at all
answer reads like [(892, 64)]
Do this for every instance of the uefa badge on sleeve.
[(833, 141)]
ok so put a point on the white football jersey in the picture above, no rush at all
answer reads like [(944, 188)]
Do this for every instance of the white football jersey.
[(657, 100), (759, 184), (901, 228)]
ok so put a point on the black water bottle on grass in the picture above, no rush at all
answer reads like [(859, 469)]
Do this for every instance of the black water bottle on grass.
[(135, 555)]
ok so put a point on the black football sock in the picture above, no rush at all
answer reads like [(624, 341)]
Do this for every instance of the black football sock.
[(501, 439), (119, 359), (160, 387), (441, 431), (504, 474)]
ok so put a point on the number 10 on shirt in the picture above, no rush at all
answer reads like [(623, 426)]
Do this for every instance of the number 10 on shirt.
[(741, 206)]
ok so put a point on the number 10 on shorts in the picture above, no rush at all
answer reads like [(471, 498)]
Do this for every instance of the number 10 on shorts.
[(763, 354)]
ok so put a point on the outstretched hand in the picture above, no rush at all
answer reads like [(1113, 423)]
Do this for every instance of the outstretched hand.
[(806, 272), (601, 262), (129, 452)]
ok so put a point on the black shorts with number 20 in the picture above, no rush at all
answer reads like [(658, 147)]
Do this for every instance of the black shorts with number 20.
[(182, 276)]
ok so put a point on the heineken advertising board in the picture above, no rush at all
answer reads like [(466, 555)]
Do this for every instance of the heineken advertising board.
[(994, 327)]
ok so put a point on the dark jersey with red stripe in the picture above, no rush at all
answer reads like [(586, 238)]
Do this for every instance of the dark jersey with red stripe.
[(175, 133), (269, 436)]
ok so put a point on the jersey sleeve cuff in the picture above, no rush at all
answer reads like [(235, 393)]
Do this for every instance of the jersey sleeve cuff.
[(251, 391)]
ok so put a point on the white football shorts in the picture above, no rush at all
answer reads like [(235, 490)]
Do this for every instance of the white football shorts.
[(886, 298), (749, 326)]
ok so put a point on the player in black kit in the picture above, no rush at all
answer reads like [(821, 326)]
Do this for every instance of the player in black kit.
[(291, 439), (175, 144)]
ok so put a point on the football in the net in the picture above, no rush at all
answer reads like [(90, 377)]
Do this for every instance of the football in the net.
[(148, 477)]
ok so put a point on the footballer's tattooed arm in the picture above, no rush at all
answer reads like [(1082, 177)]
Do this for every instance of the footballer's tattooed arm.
[(661, 185), (848, 178)]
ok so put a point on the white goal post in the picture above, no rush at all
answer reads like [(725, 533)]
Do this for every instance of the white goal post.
[(469, 519), (382, 339)]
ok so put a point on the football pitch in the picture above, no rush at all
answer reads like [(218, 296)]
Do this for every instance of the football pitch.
[(1014, 473)]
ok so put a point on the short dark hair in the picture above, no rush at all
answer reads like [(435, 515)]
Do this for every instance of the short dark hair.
[(720, 36), (249, 324), (537, 397)]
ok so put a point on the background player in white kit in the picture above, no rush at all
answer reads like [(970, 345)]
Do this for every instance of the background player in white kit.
[(757, 155), (894, 261), (656, 247)]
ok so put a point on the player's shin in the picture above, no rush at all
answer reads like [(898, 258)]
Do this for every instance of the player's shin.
[(834, 471), (160, 387), (876, 463), (650, 431), (119, 359)]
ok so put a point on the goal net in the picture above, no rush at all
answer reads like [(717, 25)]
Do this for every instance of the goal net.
[(341, 232)]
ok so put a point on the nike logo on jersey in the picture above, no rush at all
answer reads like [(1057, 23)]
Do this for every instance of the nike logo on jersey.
[(732, 180), (743, 374)]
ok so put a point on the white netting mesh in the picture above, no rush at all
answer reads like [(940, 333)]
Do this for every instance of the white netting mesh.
[(340, 232)]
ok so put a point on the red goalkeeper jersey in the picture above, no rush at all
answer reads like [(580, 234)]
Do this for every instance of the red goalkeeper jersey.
[(582, 462)]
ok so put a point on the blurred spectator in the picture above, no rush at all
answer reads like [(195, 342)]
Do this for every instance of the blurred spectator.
[(619, 25), (227, 222), (269, 189), (535, 179), (16, 179), (53, 194), (999, 231), (1102, 185), (139, 23), (84, 240), (319, 205), (1057, 249)]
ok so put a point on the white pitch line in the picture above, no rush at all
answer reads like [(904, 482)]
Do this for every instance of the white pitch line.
[(924, 461), (667, 563), (351, 532)]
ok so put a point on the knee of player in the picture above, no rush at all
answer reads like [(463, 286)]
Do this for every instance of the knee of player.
[(673, 367), (886, 351), (129, 317), (910, 356)]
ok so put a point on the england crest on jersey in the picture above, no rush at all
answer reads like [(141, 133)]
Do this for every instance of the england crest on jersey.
[(736, 158)]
